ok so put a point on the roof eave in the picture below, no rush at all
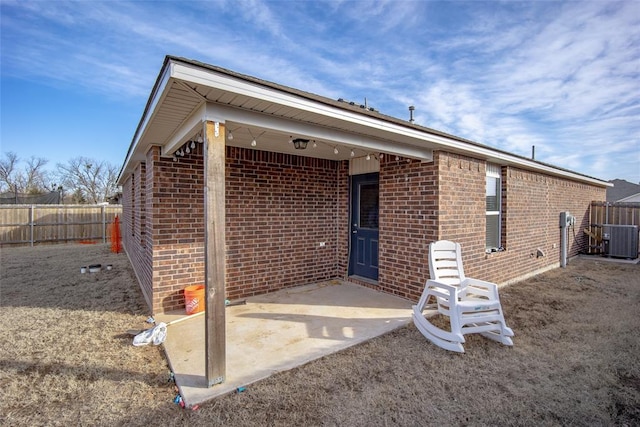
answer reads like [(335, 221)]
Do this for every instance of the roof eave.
[(199, 73)]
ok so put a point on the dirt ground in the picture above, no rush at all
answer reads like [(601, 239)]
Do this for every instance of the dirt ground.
[(65, 358)]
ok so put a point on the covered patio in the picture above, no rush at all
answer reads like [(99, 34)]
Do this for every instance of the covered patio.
[(254, 188), (247, 185), (279, 331)]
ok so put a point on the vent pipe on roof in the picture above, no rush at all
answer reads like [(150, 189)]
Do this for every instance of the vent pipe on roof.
[(533, 152), (411, 109)]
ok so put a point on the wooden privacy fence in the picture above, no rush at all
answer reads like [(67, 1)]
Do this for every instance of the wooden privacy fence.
[(609, 213), (614, 213), (31, 224)]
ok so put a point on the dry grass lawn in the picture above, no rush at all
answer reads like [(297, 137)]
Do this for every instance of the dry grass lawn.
[(65, 358)]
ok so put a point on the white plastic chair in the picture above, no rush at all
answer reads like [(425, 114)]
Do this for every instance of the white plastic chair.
[(473, 306)]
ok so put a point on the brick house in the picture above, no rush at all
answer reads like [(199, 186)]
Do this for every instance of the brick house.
[(298, 188)]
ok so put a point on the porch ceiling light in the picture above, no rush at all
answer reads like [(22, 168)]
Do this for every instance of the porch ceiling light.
[(300, 143)]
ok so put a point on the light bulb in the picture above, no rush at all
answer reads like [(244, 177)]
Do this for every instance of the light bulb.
[(175, 159), (314, 144), (290, 140), (188, 150), (352, 153), (368, 156), (230, 137), (254, 143), (335, 150), (193, 144), (382, 155)]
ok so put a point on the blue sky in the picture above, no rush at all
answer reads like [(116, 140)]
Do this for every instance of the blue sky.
[(563, 76)]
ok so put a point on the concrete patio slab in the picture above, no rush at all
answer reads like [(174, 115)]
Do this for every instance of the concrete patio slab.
[(279, 331)]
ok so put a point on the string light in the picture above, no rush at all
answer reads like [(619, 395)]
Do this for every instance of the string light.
[(254, 141)]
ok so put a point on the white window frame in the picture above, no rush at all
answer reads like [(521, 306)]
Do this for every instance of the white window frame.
[(494, 173)]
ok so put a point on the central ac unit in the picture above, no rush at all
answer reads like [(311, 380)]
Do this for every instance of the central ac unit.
[(620, 240)]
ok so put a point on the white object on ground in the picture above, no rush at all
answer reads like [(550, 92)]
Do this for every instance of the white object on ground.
[(155, 335), (158, 333)]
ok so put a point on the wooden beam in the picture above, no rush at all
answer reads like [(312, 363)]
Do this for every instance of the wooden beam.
[(214, 252)]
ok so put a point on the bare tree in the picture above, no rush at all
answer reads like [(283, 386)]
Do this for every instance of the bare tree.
[(31, 179), (88, 179), (8, 169), (35, 175)]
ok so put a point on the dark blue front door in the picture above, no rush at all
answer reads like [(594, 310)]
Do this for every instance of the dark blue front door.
[(364, 226)]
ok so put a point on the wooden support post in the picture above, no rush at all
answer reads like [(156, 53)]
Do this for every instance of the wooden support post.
[(32, 218), (214, 252), (104, 225)]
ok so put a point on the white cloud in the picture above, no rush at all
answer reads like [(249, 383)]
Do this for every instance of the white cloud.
[(511, 75)]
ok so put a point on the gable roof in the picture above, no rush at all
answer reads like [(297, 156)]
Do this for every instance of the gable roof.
[(634, 198), (621, 189), (187, 92)]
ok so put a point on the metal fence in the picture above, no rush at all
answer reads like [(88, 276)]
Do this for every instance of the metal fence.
[(609, 213), (34, 224)]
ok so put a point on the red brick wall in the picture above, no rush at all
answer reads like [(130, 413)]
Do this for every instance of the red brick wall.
[(343, 226), (462, 205), (127, 213), (134, 228), (408, 223), (175, 211), (532, 203), (531, 206), (279, 208)]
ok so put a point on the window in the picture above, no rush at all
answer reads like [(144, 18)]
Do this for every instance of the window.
[(493, 207)]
